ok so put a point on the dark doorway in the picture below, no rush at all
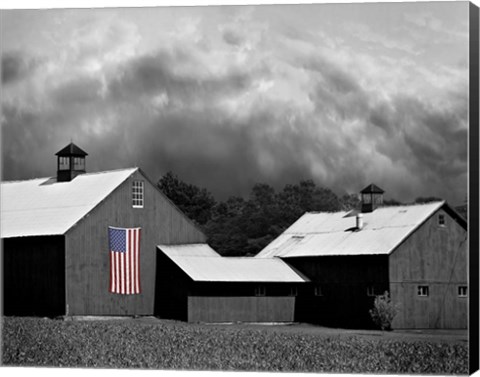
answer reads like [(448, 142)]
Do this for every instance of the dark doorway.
[(34, 276), (171, 290)]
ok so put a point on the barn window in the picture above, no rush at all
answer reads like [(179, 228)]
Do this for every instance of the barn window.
[(64, 163), (462, 291), (260, 290), (366, 198), (137, 194), (441, 220), (78, 163), (422, 290), (293, 291), (318, 290), (370, 290)]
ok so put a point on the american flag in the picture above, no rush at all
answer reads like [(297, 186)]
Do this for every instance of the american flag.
[(124, 245)]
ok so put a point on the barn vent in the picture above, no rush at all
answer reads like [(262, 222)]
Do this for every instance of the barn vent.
[(70, 163), (372, 198), (359, 221)]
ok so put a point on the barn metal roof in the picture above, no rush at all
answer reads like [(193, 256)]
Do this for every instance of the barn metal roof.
[(323, 233), (43, 206), (71, 150), (372, 189), (189, 250), (201, 263)]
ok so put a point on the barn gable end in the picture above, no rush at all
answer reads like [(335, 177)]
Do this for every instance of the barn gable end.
[(56, 240), (87, 254), (434, 256)]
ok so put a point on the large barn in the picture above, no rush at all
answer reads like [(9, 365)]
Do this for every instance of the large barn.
[(55, 231), (416, 252)]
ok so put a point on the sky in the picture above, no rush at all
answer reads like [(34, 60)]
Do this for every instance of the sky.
[(229, 96)]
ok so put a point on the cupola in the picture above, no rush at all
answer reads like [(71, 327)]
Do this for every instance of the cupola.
[(372, 198), (70, 163)]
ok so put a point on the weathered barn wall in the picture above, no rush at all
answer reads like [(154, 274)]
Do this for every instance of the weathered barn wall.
[(436, 256), (343, 281), (87, 257), (243, 288), (242, 309), (236, 301), (34, 276)]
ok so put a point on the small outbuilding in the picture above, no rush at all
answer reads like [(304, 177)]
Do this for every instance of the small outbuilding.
[(196, 284)]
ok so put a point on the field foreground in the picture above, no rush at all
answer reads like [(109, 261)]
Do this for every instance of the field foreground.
[(162, 344)]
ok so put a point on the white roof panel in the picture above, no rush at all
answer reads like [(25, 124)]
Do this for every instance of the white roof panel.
[(202, 266), (43, 206), (323, 233), (189, 250)]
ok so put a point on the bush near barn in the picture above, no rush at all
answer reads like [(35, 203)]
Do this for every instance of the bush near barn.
[(384, 311), (176, 345)]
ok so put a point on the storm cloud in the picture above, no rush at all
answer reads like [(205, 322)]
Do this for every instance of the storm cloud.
[(16, 66), (241, 101)]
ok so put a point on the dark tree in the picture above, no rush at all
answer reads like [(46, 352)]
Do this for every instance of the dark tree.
[(224, 230), (260, 218), (244, 227), (350, 201), (303, 197), (427, 199), (392, 202), (325, 200), (197, 203)]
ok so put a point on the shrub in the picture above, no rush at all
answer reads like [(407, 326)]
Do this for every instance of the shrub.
[(383, 312)]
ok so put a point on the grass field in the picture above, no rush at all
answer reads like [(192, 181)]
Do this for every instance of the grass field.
[(176, 345)]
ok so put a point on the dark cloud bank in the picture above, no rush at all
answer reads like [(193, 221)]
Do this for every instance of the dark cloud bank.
[(405, 146)]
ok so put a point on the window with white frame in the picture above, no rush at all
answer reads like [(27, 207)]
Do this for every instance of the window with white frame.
[(137, 194), (422, 290), (370, 290), (462, 291), (260, 290)]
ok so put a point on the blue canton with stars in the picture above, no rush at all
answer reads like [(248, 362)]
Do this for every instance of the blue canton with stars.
[(117, 240)]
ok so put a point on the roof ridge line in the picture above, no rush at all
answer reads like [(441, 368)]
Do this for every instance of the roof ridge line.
[(33, 209), (107, 171), (379, 208), (80, 175), (302, 235)]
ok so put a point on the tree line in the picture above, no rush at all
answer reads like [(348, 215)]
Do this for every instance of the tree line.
[(243, 227)]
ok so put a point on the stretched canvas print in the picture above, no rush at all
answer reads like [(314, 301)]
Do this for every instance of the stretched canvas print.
[(275, 188)]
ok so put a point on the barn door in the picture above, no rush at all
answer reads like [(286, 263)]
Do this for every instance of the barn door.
[(34, 276)]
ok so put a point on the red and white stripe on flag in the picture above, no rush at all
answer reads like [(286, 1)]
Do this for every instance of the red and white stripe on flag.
[(124, 246)]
